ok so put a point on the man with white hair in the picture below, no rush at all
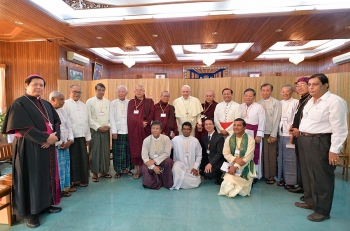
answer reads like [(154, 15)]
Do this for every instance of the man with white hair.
[(119, 128), (188, 109), (62, 146)]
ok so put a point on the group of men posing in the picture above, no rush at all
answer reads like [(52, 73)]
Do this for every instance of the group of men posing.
[(239, 139)]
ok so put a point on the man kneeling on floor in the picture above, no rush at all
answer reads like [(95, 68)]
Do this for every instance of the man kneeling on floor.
[(156, 148), (187, 157), (239, 153)]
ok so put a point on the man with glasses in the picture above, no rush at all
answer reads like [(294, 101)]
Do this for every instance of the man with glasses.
[(187, 157), (322, 132), (208, 112), (78, 115), (303, 91), (165, 113), (98, 108)]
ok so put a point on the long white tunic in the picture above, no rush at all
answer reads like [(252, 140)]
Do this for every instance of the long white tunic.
[(187, 155), (226, 112), (233, 184), (254, 114), (79, 117), (188, 110), (118, 116), (98, 112), (65, 127), (287, 117), (272, 115)]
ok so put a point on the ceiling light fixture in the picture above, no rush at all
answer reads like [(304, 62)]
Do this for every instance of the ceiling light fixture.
[(296, 58), (19, 23), (208, 60), (155, 35), (128, 61)]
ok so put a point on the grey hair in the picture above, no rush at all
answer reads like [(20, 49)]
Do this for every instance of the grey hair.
[(55, 94), (291, 88), (74, 85), (139, 85), (122, 86), (186, 86), (211, 92), (161, 94)]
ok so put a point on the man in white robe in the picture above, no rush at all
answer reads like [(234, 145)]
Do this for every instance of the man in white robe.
[(188, 109), (187, 157), (239, 153), (254, 116), (98, 108), (226, 112), (272, 120), (79, 117)]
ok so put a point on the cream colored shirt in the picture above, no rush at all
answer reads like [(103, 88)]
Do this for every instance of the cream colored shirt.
[(287, 117), (156, 149), (272, 115), (98, 112), (79, 117)]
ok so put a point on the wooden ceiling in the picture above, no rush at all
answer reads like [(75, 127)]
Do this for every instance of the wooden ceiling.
[(259, 29)]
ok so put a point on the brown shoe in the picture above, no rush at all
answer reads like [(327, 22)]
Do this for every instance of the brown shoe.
[(65, 194), (317, 217), (303, 205)]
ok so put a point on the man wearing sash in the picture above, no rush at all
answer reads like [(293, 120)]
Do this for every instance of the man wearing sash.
[(239, 153), (98, 108), (140, 115), (226, 112), (254, 116), (188, 109), (119, 128), (157, 168), (208, 112), (36, 126), (187, 157), (165, 113), (272, 120)]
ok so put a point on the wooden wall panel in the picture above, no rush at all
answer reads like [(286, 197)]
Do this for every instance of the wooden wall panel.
[(25, 58), (237, 69), (326, 66)]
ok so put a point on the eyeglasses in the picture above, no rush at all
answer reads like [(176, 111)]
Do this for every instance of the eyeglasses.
[(166, 96), (301, 85), (77, 92)]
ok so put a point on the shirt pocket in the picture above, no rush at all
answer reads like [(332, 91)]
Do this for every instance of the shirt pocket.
[(316, 114)]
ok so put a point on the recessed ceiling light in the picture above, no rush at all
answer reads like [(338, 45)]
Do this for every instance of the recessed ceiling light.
[(99, 37), (279, 30), (96, 58), (214, 33), (155, 35), (347, 28), (80, 50), (19, 23)]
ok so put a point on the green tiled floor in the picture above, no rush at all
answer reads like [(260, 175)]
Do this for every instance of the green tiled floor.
[(123, 204)]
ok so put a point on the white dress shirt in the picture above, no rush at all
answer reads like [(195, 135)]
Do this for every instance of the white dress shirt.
[(327, 115), (288, 111), (65, 127), (118, 116), (98, 112), (78, 115)]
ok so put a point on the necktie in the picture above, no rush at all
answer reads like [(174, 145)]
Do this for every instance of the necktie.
[(209, 137)]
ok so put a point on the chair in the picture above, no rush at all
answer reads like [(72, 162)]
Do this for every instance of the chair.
[(5, 154), (344, 160), (6, 191)]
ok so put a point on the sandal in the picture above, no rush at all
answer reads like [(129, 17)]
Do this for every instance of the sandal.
[(71, 189), (288, 186), (129, 173), (84, 185), (281, 183), (107, 176), (136, 176), (117, 175), (270, 181), (95, 179), (65, 194)]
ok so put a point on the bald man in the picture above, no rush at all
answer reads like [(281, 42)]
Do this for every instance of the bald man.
[(188, 109)]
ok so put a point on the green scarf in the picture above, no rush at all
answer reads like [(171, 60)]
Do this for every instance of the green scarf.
[(242, 152)]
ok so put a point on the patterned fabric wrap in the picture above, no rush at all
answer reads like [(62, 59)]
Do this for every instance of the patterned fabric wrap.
[(242, 152), (121, 153)]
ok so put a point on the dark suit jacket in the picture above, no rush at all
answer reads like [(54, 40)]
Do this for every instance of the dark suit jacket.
[(216, 145)]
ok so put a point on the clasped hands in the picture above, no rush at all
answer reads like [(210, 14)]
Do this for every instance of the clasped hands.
[(52, 139)]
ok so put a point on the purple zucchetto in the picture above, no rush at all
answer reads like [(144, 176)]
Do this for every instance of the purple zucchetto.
[(302, 79)]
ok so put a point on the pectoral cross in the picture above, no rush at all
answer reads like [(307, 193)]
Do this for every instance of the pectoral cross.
[(50, 124)]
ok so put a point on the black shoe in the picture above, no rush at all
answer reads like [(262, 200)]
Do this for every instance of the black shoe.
[(296, 190), (53, 209), (218, 181), (255, 180), (302, 198), (33, 221)]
